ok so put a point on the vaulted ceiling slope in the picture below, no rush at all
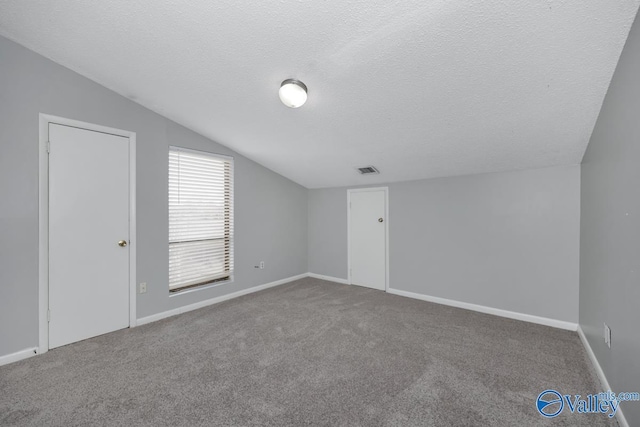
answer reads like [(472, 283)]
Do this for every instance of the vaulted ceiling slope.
[(417, 88)]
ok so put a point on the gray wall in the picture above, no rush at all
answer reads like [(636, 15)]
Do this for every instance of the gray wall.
[(270, 211), (328, 232), (610, 229), (504, 240)]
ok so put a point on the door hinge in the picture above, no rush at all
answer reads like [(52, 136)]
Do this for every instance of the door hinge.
[(48, 147), (48, 315)]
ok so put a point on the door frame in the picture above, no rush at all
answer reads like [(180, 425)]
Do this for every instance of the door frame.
[(43, 219), (386, 230)]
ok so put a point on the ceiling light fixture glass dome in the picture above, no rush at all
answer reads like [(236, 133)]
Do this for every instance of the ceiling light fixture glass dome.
[(293, 93)]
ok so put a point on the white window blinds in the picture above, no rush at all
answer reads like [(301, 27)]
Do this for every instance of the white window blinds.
[(200, 218)]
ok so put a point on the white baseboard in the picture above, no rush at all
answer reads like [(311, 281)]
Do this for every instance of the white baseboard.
[(603, 379), (18, 355), (489, 310), (200, 304), (329, 278)]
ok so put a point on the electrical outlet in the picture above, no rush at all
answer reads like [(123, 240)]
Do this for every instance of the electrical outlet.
[(261, 265), (607, 335), (143, 287)]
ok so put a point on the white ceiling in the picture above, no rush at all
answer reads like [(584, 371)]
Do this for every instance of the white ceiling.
[(418, 89)]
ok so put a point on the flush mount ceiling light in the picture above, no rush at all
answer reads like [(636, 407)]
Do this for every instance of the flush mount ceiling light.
[(293, 93)]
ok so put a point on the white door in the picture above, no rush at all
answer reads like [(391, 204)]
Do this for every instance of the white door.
[(367, 236), (88, 234)]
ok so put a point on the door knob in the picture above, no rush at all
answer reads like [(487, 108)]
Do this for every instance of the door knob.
[(122, 243), (380, 219)]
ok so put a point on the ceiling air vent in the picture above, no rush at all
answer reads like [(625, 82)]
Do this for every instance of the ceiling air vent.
[(368, 170)]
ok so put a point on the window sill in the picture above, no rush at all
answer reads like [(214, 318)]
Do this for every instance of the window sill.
[(200, 288)]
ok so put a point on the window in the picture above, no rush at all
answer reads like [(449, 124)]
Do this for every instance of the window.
[(200, 218)]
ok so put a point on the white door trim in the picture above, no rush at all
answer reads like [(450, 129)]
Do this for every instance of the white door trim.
[(43, 219), (386, 230)]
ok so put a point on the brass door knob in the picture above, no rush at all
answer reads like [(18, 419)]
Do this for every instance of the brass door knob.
[(122, 243), (380, 219)]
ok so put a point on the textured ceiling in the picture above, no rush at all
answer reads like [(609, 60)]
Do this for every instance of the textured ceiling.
[(418, 89)]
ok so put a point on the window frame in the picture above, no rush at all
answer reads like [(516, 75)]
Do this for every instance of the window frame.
[(229, 216)]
